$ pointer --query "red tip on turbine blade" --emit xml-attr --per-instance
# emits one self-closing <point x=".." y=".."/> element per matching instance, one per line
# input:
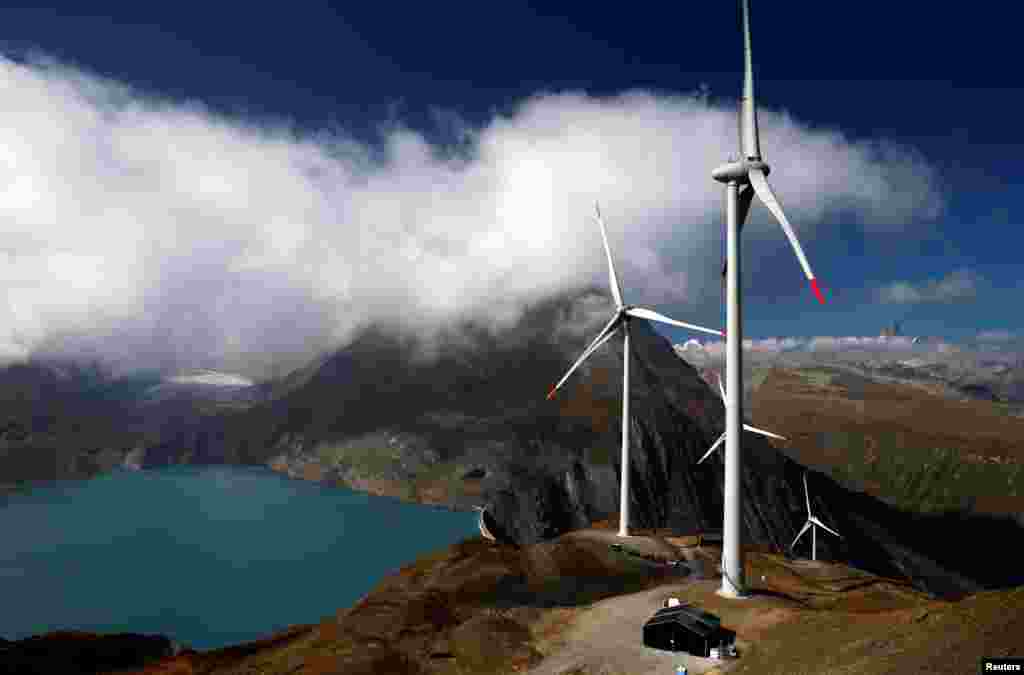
<point x="817" y="291"/>
<point x="551" y="394"/>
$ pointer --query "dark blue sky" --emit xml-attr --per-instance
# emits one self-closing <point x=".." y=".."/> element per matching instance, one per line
<point x="944" y="79"/>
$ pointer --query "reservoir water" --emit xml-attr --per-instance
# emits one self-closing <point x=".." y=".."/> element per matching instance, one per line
<point x="208" y="556"/>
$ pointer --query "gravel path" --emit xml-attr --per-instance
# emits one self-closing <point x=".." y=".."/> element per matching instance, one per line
<point x="608" y="639"/>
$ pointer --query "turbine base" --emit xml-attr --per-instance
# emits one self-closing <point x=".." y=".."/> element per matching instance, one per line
<point x="731" y="593"/>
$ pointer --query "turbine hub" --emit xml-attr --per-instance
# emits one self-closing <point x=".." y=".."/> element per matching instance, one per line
<point x="758" y="163"/>
<point x="736" y="171"/>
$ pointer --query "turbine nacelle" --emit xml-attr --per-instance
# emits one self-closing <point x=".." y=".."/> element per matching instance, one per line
<point x="739" y="171"/>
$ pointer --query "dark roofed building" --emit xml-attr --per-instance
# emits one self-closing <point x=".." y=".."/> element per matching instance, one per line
<point x="685" y="628"/>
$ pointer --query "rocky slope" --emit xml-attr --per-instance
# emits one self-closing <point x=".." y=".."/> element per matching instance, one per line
<point x="574" y="605"/>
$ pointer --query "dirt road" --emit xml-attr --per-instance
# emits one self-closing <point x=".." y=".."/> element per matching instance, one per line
<point x="608" y="639"/>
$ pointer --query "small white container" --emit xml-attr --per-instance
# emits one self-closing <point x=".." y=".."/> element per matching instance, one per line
<point x="715" y="653"/>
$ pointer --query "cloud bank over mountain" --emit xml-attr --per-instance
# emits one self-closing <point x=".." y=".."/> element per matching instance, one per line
<point x="150" y="233"/>
<point x="997" y="345"/>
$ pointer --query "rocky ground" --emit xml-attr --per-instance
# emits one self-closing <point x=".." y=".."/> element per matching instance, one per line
<point x="80" y="653"/>
<point x="573" y="606"/>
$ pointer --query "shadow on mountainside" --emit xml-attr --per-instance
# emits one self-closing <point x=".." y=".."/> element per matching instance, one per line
<point x="949" y="554"/>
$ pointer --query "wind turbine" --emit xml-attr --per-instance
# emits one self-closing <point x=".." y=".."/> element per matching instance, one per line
<point x="812" y="524"/>
<point x="743" y="179"/>
<point x="746" y="426"/>
<point x="623" y="314"/>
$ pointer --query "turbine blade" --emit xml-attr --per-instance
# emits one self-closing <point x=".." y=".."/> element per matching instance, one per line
<point x="748" y="111"/>
<point x="712" y="448"/>
<point x="601" y="338"/>
<point x="804" y="529"/>
<point x="764" y="191"/>
<point x="825" y="527"/>
<point x="612" y="277"/>
<point x="807" y="495"/>
<point x="763" y="432"/>
<point x="643" y="313"/>
<point x="721" y="388"/>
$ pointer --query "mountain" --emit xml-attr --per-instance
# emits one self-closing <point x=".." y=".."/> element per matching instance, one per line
<point x="469" y="424"/>
<point x="473" y="427"/>
<point x="61" y="419"/>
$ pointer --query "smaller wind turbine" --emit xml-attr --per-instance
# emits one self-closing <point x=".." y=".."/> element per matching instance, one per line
<point x="812" y="524"/>
<point x="623" y="314"/>
<point x="725" y="399"/>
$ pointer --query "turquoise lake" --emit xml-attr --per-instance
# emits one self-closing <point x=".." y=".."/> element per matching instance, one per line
<point x="208" y="556"/>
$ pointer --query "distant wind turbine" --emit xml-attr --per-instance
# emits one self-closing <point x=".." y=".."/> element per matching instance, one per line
<point x="621" y="318"/>
<point x="721" y="438"/>
<point x="743" y="179"/>
<point x="812" y="524"/>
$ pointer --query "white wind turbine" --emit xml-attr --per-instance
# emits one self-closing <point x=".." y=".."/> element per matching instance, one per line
<point x="746" y="426"/>
<point x="812" y="524"/>
<point x="621" y="318"/>
<point x="743" y="179"/>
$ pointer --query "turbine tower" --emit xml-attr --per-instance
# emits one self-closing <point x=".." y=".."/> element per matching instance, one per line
<point x="743" y="179"/>
<point x="621" y="319"/>
<point x="812" y="524"/>
<point x="746" y="426"/>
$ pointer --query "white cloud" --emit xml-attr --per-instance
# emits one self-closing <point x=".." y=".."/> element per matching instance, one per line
<point x="829" y="344"/>
<point x="211" y="378"/>
<point x="956" y="286"/>
<point x="869" y="343"/>
<point x="158" y="234"/>
<point x="827" y="350"/>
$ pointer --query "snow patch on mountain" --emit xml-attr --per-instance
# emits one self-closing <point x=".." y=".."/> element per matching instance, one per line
<point x="211" y="378"/>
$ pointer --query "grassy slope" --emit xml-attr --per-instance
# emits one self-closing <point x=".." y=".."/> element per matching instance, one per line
<point x="901" y="443"/>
